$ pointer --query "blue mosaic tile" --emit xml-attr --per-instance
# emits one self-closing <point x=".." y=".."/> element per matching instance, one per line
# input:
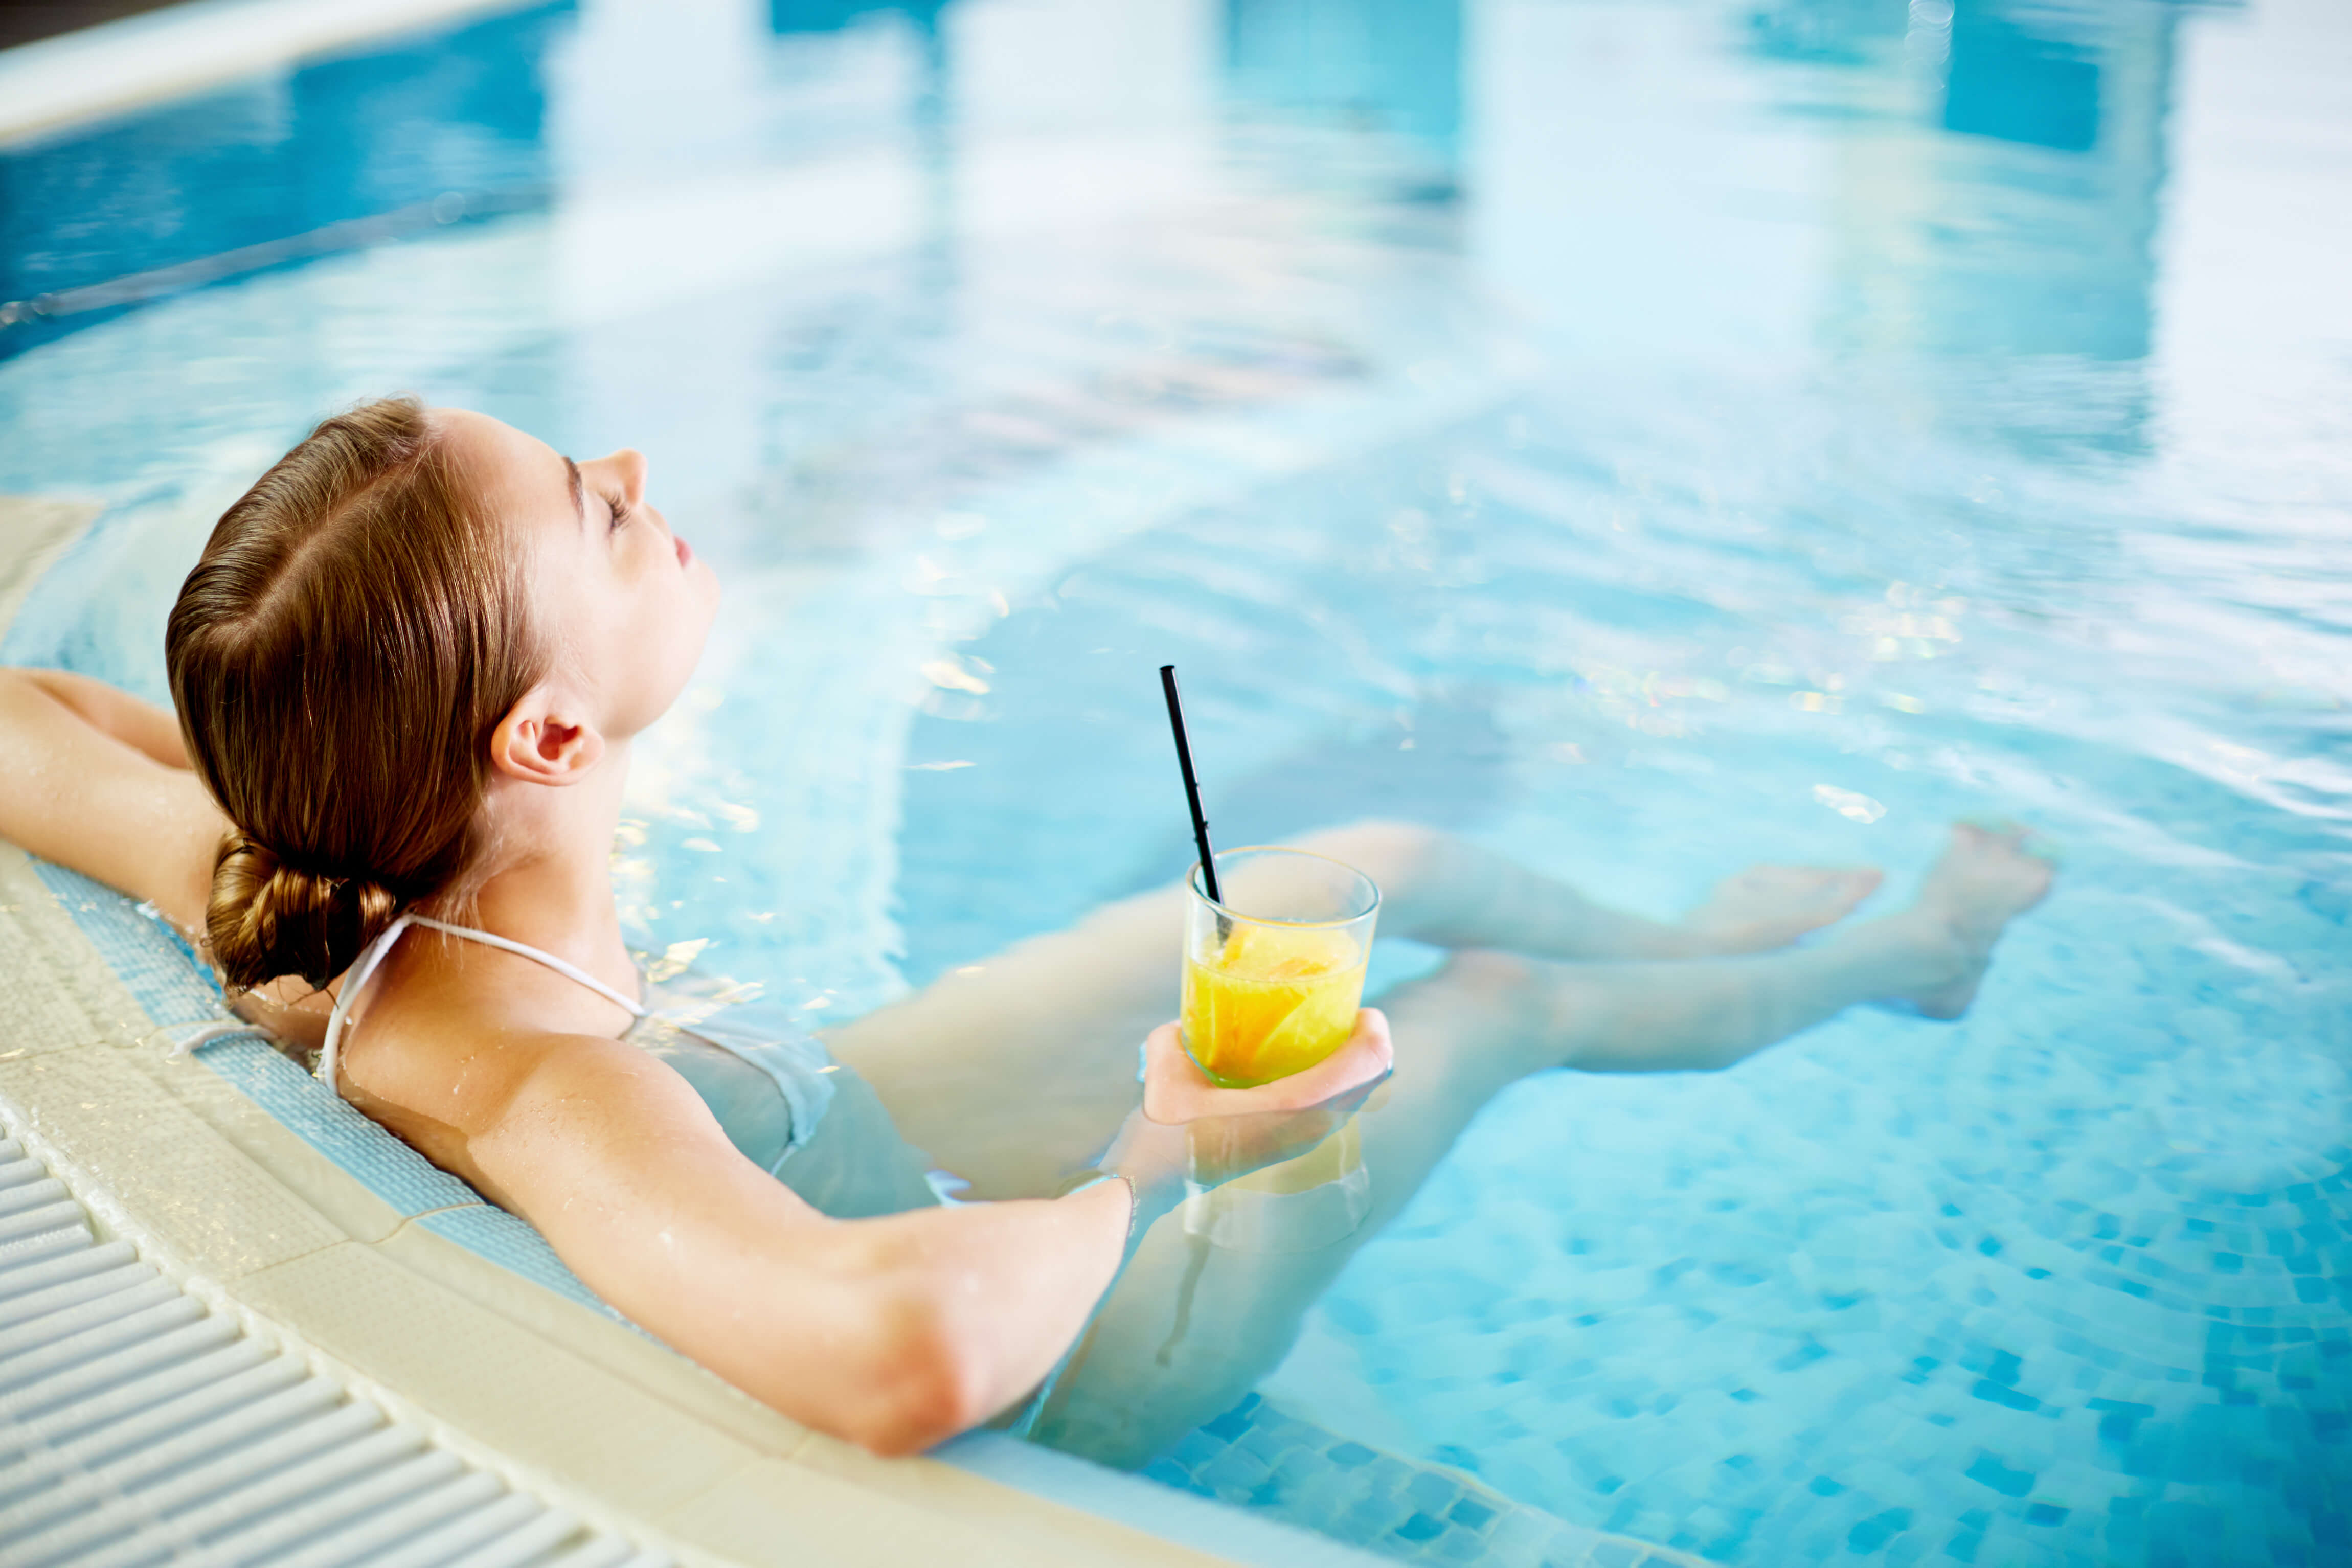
<point x="1430" y="1490"/>
<point x="1386" y="1503"/>
<point x="378" y="1161"/>
<point x="493" y="1233"/>
<point x="1471" y="1514"/>
<point x="2134" y="1326"/>
<point x="1420" y="1527"/>
<point x="159" y="970"/>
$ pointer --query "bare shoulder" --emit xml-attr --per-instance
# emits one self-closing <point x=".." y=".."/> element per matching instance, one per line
<point x="530" y="1117"/>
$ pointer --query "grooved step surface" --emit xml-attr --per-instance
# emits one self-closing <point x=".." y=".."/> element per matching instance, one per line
<point x="137" y="1426"/>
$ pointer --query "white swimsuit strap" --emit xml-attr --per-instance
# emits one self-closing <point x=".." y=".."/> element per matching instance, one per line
<point x="568" y="970"/>
<point x="373" y="955"/>
<point x="355" y="980"/>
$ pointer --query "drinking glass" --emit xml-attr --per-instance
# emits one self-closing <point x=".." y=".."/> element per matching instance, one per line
<point x="1274" y="969"/>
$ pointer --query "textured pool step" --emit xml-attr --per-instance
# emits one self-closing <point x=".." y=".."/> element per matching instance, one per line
<point x="1259" y="1455"/>
<point x="138" y="1425"/>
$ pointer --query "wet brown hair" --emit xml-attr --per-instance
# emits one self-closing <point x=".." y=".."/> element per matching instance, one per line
<point x="340" y="656"/>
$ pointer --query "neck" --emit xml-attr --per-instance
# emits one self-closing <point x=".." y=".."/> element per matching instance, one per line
<point x="555" y="888"/>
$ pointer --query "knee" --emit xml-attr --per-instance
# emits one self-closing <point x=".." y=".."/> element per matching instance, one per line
<point x="1482" y="1019"/>
<point x="1393" y="854"/>
<point x="1491" y="975"/>
<point x="1503" y="988"/>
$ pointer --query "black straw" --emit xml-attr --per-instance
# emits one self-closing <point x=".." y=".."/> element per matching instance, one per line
<point x="1192" y="785"/>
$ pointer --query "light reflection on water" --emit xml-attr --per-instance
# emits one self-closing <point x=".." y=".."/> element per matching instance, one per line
<point x="1646" y="437"/>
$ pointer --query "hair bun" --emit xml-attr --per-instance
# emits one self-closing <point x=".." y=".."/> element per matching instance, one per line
<point x="269" y="917"/>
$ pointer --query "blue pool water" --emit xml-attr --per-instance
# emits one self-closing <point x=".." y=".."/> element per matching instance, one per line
<point x="1646" y="437"/>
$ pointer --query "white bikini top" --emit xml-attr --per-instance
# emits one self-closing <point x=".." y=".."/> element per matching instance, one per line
<point x="375" y="952"/>
<point x="774" y="1115"/>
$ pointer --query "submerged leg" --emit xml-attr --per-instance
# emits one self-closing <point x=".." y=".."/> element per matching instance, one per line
<point x="1047" y="1031"/>
<point x="1190" y="1327"/>
<point x="1453" y="893"/>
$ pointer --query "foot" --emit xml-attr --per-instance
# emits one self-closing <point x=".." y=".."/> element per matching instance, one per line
<point x="1768" y="907"/>
<point x="1991" y="874"/>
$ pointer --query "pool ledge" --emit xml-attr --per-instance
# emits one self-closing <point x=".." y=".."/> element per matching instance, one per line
<point x="115" y="66"/>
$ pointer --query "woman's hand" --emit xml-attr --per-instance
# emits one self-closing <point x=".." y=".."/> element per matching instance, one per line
<point x="1188" y="1128"/>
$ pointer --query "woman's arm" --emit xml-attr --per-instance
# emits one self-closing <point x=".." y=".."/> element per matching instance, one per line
<point x="95" y="779"/>
<point x="147" y="729"/>
<point x="896" y="1332"/>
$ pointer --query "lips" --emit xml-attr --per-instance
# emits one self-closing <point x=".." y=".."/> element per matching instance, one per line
<point x="685" y="550"/>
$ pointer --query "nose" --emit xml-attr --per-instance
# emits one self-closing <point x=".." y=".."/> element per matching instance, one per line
<point x="630" y="464"/>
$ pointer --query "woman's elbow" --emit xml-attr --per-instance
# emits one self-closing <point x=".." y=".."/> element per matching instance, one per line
<point x="926" y="1383"/>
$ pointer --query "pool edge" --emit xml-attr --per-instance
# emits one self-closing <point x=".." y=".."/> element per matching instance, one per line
<point x="52" y="85"/>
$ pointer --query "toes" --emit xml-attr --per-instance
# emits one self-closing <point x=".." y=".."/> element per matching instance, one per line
<point x="2039" y="846"/>
<point x="1987" y="833"/>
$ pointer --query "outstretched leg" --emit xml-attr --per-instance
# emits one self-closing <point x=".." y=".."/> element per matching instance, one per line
<point x="1047" y="1029"/>
<point x="1459" y="894"/>
<point x="1190" y="1327"/>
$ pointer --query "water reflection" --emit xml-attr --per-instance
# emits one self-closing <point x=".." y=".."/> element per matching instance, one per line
<point x="1835" y="32"/>
<point x="1994" y="178"/>
<point x="2021" y="78"/>
<point x="1995" y="245"/>
<point x="438" y="129"/>
<point x="1390" y="67"/>
<point x="786" y="17"/>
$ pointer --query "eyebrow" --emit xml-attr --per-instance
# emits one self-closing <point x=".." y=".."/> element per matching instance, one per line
<point x="579" y="501"/>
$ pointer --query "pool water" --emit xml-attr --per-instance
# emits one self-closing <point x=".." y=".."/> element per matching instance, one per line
<point x="1648" y="438"/>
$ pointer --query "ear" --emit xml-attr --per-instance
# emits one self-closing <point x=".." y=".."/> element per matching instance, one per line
<point x="546" y="738"/>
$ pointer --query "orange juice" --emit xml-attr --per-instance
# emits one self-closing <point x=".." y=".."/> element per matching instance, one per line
<point x="1270" y="1000"/>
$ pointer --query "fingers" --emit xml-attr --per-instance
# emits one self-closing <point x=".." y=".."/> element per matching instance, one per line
<point x="1174" y="1087"/>
<point x="1162" y="1049"/>
<point x="1369" y="1054"/>
<point x="1219" y="1148"/>
<point x="1176" y="1090"/>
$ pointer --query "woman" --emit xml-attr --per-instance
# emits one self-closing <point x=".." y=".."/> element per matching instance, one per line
<point x="408" y="670"/>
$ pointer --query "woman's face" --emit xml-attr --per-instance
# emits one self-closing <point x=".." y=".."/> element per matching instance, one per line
<point x="623" y="601"/>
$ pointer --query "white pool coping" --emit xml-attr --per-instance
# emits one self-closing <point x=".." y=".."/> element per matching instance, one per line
<point x="115" y="66"/>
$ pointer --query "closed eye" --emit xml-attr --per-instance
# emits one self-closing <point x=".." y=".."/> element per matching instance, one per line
<point x="621" y="511"/>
